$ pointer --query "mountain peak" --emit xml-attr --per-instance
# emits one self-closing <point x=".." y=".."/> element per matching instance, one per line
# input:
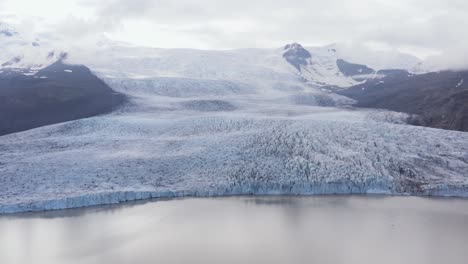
<point x="295" y="48"/>
<point x="296" y="55"/>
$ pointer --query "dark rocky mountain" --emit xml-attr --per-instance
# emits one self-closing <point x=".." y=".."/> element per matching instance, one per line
<point x="361" y="72"/>
<point x="440" y="99"/>
<point x="57" y="93"/>
<point x="296" y="55"/>
<point x="352" y="69"/>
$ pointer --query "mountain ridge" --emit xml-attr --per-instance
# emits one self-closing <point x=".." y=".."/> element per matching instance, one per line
<point x="438" y="99"/>
<point x="55" y="94"/>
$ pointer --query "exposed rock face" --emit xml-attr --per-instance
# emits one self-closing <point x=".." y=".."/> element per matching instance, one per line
<point x="296" y="55"/>
<point x="57" y="93"/>
<point x="11" y="62"/>
<point x="351" y="69"/>
<point x="439" y="99"/>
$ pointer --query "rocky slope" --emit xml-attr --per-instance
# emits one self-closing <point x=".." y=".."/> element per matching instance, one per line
<point x="54" y="94"/>
<point x="439" y="99"/>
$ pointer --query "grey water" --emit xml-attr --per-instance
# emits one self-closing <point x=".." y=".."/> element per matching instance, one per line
<point x="274" y="229"/>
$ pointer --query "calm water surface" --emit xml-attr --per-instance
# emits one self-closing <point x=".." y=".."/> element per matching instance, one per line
<point x="326" y="229"/>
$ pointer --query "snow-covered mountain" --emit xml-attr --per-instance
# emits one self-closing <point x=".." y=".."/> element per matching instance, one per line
<point x="25" y="53"/>
<point x="315" y="66"/>
<point x="319" y="68"/>
<point x="377" y="60"/>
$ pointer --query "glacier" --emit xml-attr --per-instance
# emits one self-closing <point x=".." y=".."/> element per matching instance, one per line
<point x="162" y="144"/>
<point x="212" y="123"/>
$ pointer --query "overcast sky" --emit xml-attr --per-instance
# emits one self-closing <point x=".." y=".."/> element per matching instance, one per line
<point x="420" y="27"/>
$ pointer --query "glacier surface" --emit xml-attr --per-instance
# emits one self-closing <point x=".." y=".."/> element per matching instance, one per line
<point x="200" y="137"/>
<point x="209" y="123"/>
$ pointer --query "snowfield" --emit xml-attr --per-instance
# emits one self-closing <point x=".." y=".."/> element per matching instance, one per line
<point x="189" y="137"/>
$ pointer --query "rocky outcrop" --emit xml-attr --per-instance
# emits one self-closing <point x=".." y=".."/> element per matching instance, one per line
<point x="55" y="94"/>
<point x="437" y="99"/>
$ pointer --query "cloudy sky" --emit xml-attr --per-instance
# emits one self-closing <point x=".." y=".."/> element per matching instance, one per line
<point x="425" y="28"/>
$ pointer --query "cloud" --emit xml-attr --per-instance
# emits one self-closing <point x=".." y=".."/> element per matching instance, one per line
<point x="422" y="27"/>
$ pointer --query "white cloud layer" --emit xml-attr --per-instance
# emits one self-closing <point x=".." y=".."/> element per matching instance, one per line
<point x="432" y="29"/>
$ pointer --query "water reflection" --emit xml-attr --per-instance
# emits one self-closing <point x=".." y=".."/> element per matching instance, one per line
<point x="274" y="229"/>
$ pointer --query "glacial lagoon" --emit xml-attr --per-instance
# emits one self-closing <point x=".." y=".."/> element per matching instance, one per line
<point x="261" y="229"/>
